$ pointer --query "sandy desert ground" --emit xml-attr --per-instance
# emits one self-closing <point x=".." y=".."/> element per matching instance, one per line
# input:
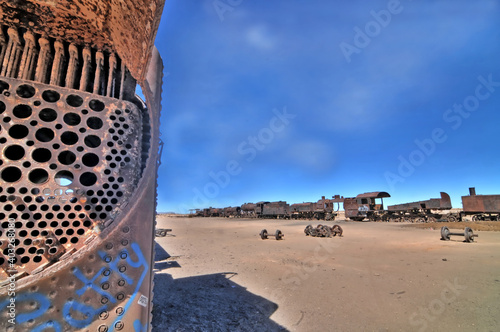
<point x="216" y="274"/>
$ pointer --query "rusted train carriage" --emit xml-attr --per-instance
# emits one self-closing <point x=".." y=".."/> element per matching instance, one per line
<point x="323" y="209"/>
<point x="302" y="210"/>
<point x="275" y="210"/>
<point x="422" y="211"/>
<point x="78" y="163"/>
<point x="481" y="207"/>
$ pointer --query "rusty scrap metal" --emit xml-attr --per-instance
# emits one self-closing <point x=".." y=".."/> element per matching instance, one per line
<point x="278" y="235"/>
<point x="323" y="231"/>
<point x="468" y="234"/>
<point x="443" y="203"/>
<point x="481" y="207"/>
<point x="162" y="232"/>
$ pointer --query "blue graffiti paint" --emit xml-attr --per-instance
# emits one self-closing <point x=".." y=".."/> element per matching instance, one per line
<point x="43" y="305"/>
<point x="89" y="283"/>
<point x="87" y="311"/>
<point x="139" y="328"/>
<point x="48" y="325"/>
<point x="114" y="267"/>
<point x="74" y="308"/>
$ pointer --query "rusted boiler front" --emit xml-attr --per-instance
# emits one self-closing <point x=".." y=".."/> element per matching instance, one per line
<point x="78" y="163"/>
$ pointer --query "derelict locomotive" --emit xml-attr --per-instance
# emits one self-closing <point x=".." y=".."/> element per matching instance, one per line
<point x="368" y="206"/>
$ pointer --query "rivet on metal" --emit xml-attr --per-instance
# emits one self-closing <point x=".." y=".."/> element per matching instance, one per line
<point x="119" y="311"/>
<point x="119" y="325"/>
<point x="102" y="328"/>
<point x="103" y="315"/>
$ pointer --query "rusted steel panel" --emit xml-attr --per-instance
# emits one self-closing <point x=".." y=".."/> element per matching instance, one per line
<point x="123" y="26"/>
<point x="351" y="207"/>
<point x="481" y="203"/>
<point x="443" y="203"/>
<point x="276" y="208"/>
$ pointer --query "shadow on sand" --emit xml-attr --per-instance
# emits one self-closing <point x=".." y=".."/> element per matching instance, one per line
<point x="206" y="303"/>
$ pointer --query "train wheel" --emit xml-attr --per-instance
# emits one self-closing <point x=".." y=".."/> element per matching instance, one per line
<point x="263" y="234"/>
<point x="327" y="232"/>
<point x="336" y="229"/>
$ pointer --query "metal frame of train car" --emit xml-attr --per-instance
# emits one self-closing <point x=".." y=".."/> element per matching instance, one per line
<point x="420" y="211"/>
<point x="480" y="207"/>
<point x="365" y="206"/>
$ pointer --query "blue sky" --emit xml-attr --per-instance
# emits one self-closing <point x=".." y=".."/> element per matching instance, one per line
<point x="292" y="100"/>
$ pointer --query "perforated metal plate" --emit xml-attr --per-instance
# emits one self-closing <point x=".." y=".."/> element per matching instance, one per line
<point x="70" y="161"/>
